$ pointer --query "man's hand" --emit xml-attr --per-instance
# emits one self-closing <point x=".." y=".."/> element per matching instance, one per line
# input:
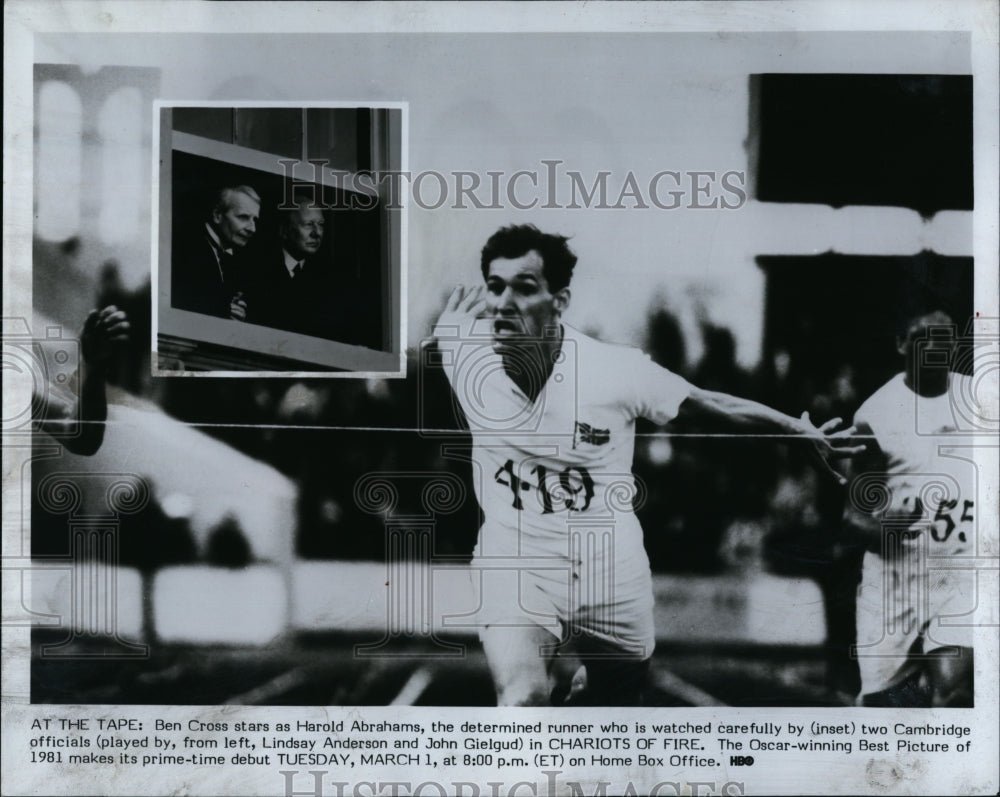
<point x="80" y="427"/>
<point x="238" y="307"/>
<point x="829" y="445"/>
<point x="102" y="332"/>
<point x="460" y="313"/>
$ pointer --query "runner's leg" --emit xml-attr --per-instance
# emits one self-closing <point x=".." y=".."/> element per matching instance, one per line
<point x="950" y="675"/>
<point x="613" y="677"/>
<point x="520" y="659"/>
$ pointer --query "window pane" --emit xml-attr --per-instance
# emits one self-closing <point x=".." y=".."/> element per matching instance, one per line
<point x="120" y="127"/>
<point x="214" y="123"/>
<point x="333" y="137"/>
<point x="277" y="130"/>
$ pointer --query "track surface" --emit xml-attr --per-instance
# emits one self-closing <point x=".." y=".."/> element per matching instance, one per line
<point x="326" y="671"/>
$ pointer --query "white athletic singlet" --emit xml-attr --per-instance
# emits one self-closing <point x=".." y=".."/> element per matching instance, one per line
<point x="919" y="587"/>
<point x="560" y="545"/>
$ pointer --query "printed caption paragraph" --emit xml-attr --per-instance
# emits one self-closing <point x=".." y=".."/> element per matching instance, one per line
<point x="346" y="744"/>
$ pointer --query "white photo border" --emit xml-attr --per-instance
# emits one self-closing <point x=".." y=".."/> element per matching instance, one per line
<point x="25" y="21"/>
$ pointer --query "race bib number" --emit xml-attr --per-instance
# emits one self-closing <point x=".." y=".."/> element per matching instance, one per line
<point x="571" y="489"/>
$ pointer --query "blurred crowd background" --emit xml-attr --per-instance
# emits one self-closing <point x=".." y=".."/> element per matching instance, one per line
<point x="712" y="504"/>
<point x="710" y="501"/>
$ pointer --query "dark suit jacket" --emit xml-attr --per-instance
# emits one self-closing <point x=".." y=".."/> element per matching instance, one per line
<point x="319" y="301"/>
<point x="196" y="282"/>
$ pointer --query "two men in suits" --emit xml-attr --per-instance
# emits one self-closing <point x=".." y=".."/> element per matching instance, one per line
<point x="205" y="275"/>
<point x="291" y="283"/>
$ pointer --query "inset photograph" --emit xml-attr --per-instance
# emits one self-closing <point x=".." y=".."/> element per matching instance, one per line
<point x="279" y="248"/>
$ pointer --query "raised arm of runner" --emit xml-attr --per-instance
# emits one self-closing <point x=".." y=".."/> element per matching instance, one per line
<point x="752" y="416"/>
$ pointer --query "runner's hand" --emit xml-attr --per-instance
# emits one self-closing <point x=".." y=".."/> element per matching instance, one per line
<point x="102" y="332"/>
<point x="829" y="445"/>
<point x="463" y="308"/>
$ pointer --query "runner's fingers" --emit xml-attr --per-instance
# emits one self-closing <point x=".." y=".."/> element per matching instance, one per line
<point x="478" y="309"/>
<point x="455" y="298"/>
<point x="472" y="296"/>
<point x="830" y="425"/>
<point x="850" y="431"/>
<point x="826" y="466"/>
<point x="118" y="328"/>
<point x="841" y="452"/>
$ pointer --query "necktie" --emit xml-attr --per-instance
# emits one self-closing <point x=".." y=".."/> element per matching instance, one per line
<point x="226" y="266"/>
<point x="296" y="269"/>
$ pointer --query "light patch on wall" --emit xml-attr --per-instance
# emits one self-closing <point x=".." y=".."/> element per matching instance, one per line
<point x="119" y="125"/>
<point x="60" y="128"/>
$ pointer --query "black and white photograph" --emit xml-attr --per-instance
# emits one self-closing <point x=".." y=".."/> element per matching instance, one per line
<point x="267" y="221"/>
<point x="460" y="399"/>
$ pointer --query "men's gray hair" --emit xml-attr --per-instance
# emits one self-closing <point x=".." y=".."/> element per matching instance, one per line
<point x="223" y="199"/>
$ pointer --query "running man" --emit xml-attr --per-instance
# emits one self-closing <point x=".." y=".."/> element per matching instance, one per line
<point x="913" y="503"/>
<point x="560" y="559"/>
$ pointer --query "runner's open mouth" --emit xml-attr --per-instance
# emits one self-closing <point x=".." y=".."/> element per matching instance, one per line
<point x="505" y="326"/>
